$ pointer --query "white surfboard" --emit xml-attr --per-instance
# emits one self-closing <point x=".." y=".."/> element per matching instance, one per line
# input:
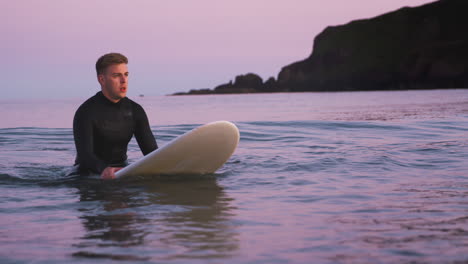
<point x="202" y="150"/>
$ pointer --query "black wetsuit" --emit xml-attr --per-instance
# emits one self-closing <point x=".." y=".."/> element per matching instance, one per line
<point x="103" y="129"/>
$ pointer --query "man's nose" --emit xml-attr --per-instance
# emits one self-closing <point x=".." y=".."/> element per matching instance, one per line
<point x="123" y="79"/>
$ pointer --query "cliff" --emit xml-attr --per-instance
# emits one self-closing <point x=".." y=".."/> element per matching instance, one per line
<point x="423" y="47"/>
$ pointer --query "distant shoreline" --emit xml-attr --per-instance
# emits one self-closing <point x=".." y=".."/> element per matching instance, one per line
<point x="190" y="93"/>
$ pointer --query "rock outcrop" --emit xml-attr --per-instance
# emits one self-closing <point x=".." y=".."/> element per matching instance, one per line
<point x="423" y="47"/>
<point x="248" y="83"/>
<point x="412" y="48"/>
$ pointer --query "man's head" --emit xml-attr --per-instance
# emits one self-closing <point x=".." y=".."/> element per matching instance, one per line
<point x="112" y="74"/>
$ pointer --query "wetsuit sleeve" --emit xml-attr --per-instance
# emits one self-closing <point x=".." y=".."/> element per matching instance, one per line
<point x="143" y="133"/>
<point x="83" y="133"/>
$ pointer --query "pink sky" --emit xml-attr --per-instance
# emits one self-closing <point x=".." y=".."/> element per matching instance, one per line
<point x="51" y="46"/>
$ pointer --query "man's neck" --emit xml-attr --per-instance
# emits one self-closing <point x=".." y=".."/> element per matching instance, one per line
<point x="108" y="97"/>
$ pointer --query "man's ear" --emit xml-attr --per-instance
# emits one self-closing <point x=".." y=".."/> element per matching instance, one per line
<point x="100" y="79"/>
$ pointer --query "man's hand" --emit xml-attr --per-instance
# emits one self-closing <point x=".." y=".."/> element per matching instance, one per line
<point x="109" y="173"/>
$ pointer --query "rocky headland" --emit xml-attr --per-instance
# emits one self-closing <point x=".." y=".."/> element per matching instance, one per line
<point x="424" y="47"/>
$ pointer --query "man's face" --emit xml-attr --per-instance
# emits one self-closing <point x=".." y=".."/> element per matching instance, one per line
<point x="114" y="82"/>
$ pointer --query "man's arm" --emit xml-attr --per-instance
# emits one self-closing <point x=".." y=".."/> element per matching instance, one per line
<point x="143" y="133"/>
<point x="83" y="134"/>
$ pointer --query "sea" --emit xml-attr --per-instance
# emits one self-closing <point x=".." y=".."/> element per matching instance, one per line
<point x="342" y="177"/>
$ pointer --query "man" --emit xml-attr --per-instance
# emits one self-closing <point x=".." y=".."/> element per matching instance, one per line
<point x="104" y="124"/>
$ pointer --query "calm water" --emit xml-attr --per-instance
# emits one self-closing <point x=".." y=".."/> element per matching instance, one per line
<point x="367" y="177"/>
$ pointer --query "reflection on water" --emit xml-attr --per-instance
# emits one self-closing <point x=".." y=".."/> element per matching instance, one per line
<point x="184" y="218"/>
<point x="429" y="221"/>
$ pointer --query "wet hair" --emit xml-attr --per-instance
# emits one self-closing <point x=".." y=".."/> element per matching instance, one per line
<point x="109" y="59"/>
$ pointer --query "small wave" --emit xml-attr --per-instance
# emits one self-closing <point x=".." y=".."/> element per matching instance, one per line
<point x="167" y="133"/>
<point x="9" y="179"/>
<point x="116" y="257"/>
<point x="321" y="124"/>
<point x="51" y="175"/>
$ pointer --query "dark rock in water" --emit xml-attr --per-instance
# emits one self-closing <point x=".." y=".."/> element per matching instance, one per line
<point x="412" y="48"/>
<point x="195" y="92"/>
<point x="423" y="47"/>
<point x="270" y="86"/>
<point x="249" y="83"/>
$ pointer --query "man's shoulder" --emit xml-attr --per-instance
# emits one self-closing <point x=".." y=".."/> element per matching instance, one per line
<point x="135" y="106"/>
<point x="88" y="104"/>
